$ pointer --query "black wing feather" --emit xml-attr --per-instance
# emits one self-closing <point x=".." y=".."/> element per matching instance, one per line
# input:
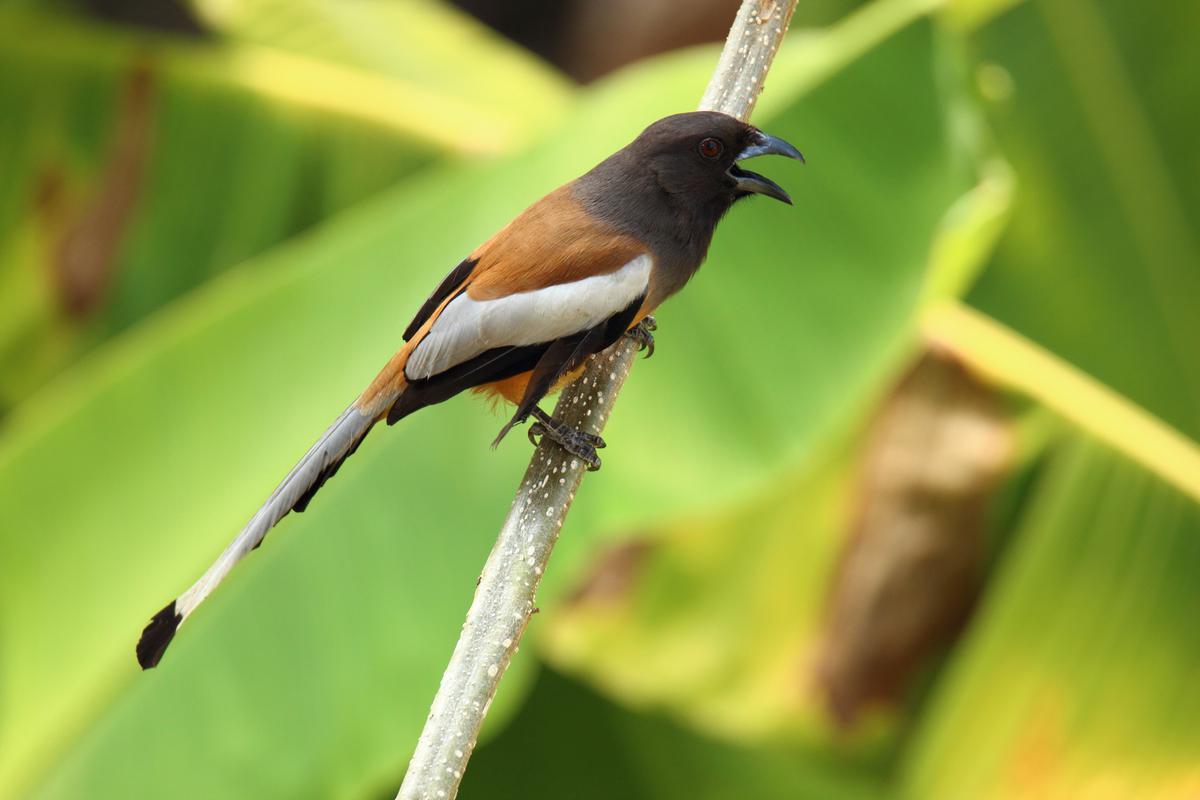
<point x="448" y="285"/>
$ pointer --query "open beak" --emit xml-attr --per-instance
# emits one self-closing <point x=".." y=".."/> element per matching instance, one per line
<point x="762" y="144"/>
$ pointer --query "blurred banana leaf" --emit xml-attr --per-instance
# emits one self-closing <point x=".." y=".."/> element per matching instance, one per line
<point x="719" y="619"/>
<point x="354" y="606"/>
<point x="1079" y="678"/>
<point x="615" y="752"/>
<point x="1092" y="102"/>
<point x="1076" y="677"/>
<point x="715" y="618"/>
<point x="502" y="94"/>
<point x="135" y="167"/>
<point x="726" y="620"/>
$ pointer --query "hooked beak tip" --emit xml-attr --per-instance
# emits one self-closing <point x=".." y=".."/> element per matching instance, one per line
<point x="763" y="144"/>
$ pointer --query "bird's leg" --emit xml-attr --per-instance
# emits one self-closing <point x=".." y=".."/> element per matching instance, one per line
<point x="577" y="443"/>
<point x="641" y="333"/>
<point x="549" y="422"/>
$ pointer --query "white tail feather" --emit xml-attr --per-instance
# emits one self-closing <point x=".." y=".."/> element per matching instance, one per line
<point x="333" y="445"/>
<point x="317" y="464"/>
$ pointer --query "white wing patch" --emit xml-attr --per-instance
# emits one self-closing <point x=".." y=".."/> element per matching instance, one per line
<point x="469" y="327"/>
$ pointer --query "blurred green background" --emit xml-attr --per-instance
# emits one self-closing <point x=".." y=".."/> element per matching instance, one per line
<point x="906" y="504"/>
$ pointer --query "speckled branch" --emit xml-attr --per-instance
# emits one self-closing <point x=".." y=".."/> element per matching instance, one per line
<point x="749" y="50"/>
<point x="504" y="598"/>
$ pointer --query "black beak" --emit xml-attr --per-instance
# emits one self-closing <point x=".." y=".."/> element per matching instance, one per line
<point x="762" y="144"/>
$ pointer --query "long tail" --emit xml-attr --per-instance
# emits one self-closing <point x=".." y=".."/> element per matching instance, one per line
<point x="318" y="465"/>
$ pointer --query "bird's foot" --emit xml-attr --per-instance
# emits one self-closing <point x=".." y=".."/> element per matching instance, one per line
<point x="642" y="334"/>
<point x="577" y="443"/>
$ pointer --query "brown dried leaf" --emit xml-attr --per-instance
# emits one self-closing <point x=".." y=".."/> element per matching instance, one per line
<point x="87" y="251"/>
<point x="910" y="570"/>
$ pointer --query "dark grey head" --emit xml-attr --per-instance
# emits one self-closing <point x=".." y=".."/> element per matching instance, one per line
<point x="671" y="185"/>
<point x="695" y="156"/>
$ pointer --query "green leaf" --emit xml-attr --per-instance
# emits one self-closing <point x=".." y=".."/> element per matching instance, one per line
<point x="714" y="615"/>
<point x="1016" y="363"/>
<point x="715" y="618"/>
<point x="138" y="166"/>
<point x="1092" y="104"/>
<point x="570" y="742"/>
<point x="426" y="44"/>
<point x="152" y="495"/>
<point x="718" y="618"/>
<point x="1078" y="677"/>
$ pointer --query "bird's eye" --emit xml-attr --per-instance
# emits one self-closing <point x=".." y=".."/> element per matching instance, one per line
<point x="711" y="148"/>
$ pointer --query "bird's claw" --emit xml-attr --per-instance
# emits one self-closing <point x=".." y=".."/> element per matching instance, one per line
<point x="641" y="333"/>
<point x="578" y="443"/>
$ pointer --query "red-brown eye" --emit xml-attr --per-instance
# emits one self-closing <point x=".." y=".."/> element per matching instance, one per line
<point x="711" y="148"/>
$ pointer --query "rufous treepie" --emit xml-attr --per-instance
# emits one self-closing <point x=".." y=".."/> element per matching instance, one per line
<point x="518" y="317"/>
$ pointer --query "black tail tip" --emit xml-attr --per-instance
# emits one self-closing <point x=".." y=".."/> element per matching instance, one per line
<point x="157" y="635"/>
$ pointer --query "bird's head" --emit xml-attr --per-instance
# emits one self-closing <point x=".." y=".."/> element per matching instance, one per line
<point x="697" y="154"/>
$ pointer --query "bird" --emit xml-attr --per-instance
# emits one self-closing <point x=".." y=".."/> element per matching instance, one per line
<point x="518" y="317"/>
